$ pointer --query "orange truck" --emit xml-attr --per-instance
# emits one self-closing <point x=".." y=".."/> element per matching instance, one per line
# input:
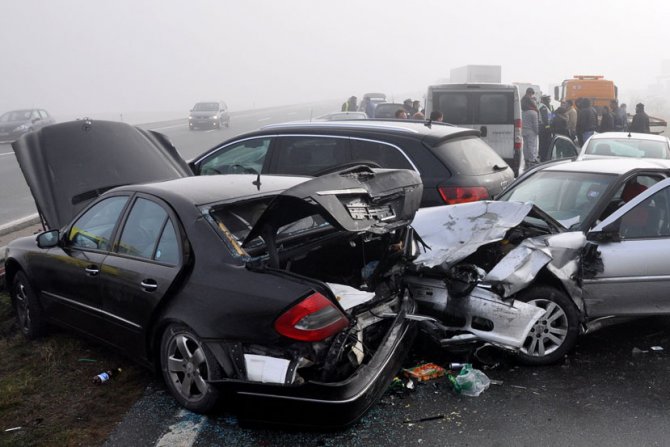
<point x="596" y="88"/>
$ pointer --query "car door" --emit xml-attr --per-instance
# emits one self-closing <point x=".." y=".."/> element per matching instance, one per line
<point x="562" y="147"/>
<point x="633" y="243"/>
<point x="243" y="156"/>
<point x="146" y="259"/>
<point x="69" y="277"/>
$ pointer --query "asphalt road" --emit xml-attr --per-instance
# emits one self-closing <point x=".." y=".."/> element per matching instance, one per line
<point x="16" y="201"/>
<point x="613" y="390"/>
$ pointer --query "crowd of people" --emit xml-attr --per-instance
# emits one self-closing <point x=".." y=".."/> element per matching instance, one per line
<point x="576" y="120"/>
<point x="411" y="109"/>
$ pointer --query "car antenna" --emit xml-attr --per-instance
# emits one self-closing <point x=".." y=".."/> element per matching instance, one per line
<point x="257" y="182"/>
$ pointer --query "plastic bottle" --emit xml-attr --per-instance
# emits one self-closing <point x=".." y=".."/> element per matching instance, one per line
<point x="105" y="376"/>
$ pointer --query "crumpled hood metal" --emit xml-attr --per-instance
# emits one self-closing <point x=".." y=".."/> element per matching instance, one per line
<point x="68" y="165"/>
<point x="454" y="232"/>
<point x="359" y="199"/>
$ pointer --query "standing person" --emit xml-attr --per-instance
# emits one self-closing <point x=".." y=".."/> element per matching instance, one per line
<point x="616" y="116"/>
<point x="587" y="120"/>
<point x="559" y="124"/>
<point x="606" y="121"/>
<point x="436" y="115"/>
<point x="529" y="131"/>
<point x="640" y="120"/>
<point x="350" y="105"/>
<point x="571" y="113"/>
<point x="545" y="126"/>
<point x="624" y="117"/>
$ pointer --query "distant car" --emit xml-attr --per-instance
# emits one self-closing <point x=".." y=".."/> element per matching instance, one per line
<point x="626" y="144"/>
<point x="369" y="101"/>
<point x="386" y="110"/>
<point x="339" y="116"/>
<point x="456" y="165"/>
<point x="209" y="115"/>
<point x="621" y="205"/>
<point x="18" y="122"/>
<point x="223" y="283"/>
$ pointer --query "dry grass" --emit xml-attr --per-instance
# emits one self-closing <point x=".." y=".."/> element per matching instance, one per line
<point x="46" y="388"/>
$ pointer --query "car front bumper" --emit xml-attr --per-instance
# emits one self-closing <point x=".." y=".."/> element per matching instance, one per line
<point x="329" y="405"/>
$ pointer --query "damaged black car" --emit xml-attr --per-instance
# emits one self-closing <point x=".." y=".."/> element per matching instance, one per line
<point x="286" y="291"/>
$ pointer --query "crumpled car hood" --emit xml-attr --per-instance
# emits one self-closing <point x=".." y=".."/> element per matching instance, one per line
<point x="68" y="165"/>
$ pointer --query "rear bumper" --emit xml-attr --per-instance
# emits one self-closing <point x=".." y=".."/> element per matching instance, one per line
<point x="329" y="405"/>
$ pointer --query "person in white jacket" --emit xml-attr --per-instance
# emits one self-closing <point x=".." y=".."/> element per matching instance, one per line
<point x="529" y="131"/>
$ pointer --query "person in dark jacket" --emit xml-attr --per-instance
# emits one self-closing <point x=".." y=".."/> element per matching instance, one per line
<point x="587" y="120"/>
<point x="640" y="120"/>
<point x="559" y="124"/>
<point x="616" y="116"/>
<point x="545" y="126"/>
<point x="606" y="121"/>
<point x="350" y="105"/>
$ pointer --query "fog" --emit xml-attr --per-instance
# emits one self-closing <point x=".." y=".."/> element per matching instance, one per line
<point x="76" y="57"/>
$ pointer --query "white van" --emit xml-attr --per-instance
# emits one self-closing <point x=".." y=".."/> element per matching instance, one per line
<point x="493" y="109"/>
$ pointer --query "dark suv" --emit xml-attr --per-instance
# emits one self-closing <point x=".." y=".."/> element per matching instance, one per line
<point x="455" y="165"/>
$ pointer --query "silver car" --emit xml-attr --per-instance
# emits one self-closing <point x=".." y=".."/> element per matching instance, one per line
<point x="622" y="206"/>
<point x="626" y="144"/>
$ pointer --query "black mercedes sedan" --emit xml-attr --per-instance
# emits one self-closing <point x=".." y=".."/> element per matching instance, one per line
<point x="284" y="291"/>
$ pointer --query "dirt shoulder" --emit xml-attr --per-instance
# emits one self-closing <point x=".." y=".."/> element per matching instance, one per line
<point x="47" y="397"/>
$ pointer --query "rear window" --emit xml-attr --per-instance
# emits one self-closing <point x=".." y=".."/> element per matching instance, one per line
<point x="454" y="107"/>
<point x="476" y="107"/>
<point x="468" y="156"/>
<point x="496" y="108"/>
<point x="627" y="147"/>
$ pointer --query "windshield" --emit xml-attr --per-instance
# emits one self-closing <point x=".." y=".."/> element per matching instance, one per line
<point x="628" y="147"/>
<point x="206" y="107"/>
<point x="568" y="197"/>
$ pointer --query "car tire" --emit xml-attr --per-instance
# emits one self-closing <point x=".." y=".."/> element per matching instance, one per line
<point x="28" y="311"/>
<point x="555" y="332"/>
<point x="187" y="364"/>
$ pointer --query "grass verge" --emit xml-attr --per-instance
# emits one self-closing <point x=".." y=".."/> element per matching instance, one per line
<point x="46" y="387"/>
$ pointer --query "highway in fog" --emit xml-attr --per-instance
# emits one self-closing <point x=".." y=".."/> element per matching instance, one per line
<point x="16" y="201"/>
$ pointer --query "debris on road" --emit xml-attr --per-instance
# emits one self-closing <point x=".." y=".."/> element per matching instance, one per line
<point x="426" y="419"/>
<point x="470" y="381"/>
<point x="424" y="372"/>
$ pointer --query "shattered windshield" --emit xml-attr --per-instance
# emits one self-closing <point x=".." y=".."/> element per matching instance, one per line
<point x="568" y="197"/>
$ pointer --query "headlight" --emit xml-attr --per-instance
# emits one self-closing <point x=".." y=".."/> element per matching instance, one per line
<point x="214" y="117"/>
<point x="190" y="117"/>
<point x="22" y="128"/>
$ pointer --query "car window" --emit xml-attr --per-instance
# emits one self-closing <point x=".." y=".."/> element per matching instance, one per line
<point x="206" y="107"/>
<point x="384" y="155"/>
<point x="309" y="155"/>
<point x="568" y="197"/>
<point x="94" y="228"/>
<point x="496" y="108"/>
<point x="627" y="147"/>
<point x="142" y="229"/>
<point x="648" y="219"/>
<point x="168" y="247"/>
<point x="469" y="156"/>
<point x="246" y="156"/>
<point x="454" y="107"/>
<point x="44" y="114"/>
<point x="562" y="148"/>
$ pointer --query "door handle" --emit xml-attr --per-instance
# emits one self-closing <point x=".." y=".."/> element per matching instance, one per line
<point x="149" y="285"/>
<point x="92" y="270"/>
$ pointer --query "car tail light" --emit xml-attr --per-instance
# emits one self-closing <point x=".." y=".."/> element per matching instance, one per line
<point x="462" y="194"/>
<point x="313" y="319"/>
<point x="518" y="140"/>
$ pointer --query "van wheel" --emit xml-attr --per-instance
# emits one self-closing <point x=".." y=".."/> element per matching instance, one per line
<point x="555" y="331"/>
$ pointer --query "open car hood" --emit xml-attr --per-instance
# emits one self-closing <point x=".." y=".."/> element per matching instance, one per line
<point x="68" y="165"/>
<point x="359" y="199"/>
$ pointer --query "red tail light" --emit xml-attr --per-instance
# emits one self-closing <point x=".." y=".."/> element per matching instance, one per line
<point x="462" y="194"/>
<point x="518" y="139"/>
<point x="313" y="319"/>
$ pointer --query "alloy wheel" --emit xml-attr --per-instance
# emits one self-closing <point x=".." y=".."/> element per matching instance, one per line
<point x="187" y="366"/>
<point x="549" y="332"/>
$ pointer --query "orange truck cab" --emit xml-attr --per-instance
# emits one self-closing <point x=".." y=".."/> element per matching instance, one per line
<point x="599" y="90"/>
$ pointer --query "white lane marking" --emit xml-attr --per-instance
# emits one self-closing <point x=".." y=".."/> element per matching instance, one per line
<point x="168" y="127"/>
<point x="183" y="433"/>
<point x="265" y="119"/>
<point x="292" y="113"/>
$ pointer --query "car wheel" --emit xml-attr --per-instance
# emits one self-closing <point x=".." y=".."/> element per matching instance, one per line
<point x="187" y="365"/>
<point x="555" y="332"/>
<point x="28" y="311"/>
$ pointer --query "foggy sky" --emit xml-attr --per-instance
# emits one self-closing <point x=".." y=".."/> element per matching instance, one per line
<point x="78" y="57"/>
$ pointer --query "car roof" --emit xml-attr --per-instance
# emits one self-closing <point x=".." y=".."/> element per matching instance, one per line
<point x="631" y="135"/>
<point x="433" y="131"/>
<point x="201" y="190"/>
<point x="616" y="166"/>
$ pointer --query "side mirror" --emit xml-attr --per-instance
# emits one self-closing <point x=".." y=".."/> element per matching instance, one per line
<point x="484" y="131"/>
<point x="610" y="233"/>
<point x="48" y="239"/>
